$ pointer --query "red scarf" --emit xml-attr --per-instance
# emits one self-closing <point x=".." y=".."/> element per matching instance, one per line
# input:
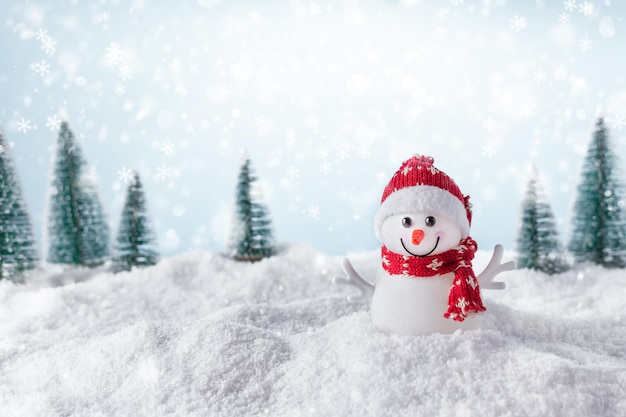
<point x="465" y="293"/>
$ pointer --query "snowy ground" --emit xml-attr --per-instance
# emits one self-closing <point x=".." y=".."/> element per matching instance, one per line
<point x="200" y="335"/>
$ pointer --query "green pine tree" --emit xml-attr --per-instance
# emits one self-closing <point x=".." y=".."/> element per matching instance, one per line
<point x="78" y="233"/>
<point x="251" y="238"/>
<point x="136" y="242"/>
<point x="538" y="242"/>
<point x="598" y="223"/>
<point x="17" y="244"/>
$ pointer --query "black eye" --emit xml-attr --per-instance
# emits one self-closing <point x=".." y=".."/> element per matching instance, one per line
<point x="430" y="221"/>
<point x="407" y="222"/>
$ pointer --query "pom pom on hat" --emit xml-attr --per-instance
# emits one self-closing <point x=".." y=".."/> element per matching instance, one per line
<point x="419" y="186"/>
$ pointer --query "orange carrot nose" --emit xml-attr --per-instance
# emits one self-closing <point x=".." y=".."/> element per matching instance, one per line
<point x="418" y="236"/>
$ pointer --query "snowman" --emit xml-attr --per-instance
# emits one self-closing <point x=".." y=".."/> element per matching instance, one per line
<point x="426" y="283"/>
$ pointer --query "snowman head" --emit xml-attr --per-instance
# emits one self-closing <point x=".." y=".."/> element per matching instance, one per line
<point x="419" y="233"/>
<point x="421" y="192"/>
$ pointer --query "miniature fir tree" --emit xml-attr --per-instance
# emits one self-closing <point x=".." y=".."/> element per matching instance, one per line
<point x="538" y="242"/>
<point x="598" y="223"/>
<point x="78" y="233"/>
<point x="136" y="242"/>
<point x="251" y="238"/>
<point x="17" y="244"/>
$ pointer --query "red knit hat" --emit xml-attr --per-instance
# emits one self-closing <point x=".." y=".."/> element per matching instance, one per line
<point x="419" y="186"/>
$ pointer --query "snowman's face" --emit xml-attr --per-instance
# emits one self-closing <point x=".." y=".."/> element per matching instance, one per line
<point x="419" y="234"/>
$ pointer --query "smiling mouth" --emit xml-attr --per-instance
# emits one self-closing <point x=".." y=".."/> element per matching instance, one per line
<point x="420" y="256"/>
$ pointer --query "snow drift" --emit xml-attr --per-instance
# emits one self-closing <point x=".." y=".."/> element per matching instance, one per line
<point x="202" y="335"/>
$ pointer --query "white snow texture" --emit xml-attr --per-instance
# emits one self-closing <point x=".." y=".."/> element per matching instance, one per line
<point x="202" y="335"/>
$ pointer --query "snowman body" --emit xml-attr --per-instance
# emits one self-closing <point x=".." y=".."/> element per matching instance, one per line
<point x="412" y="305"/>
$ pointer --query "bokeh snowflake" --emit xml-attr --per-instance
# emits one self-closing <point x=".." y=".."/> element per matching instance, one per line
<point x="292" y="173"/>
<point x="570" y="5"/>
<point x="518" y="23"/>
<point x="24" y="125"/>
<point x="163" y="172"/>
<point x="48" y="45"/>
<point x="126" y="175"/>
<point x="586" y="8"/>
<point x="167" y="147"/>
<point x="313" y="211"/>
<point x="585" y="43"/>
<point x="41" y="68"/>
<point x="617" y="121"/>
<point x="119" y="89"/>
<point x="490" y="149"/>
<point x="113" y="55"/>
<point x="125" y="72"/>
<point x="53" y="123"/>
<point x="102" y="19"/>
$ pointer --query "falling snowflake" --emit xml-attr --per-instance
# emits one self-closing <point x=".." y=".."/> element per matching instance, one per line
<point x="41" y="68"/>
<point x="343" y="152"/>
<point x="125" y="72"/>
<point x="194" y="69"/>
<point x="363" y="151"/>
<point x="102" y="18"/>
<point x="292" y="173"/>
<point x="290" y="142"/>
<point x="224" y="92"/>
<point x="586" y="9"/>
<point x="322" y="153"/>
<point x="584" y="43"/>
<point x="53" y="123"/>
<point x="262" y="125"/>
<point x="490" y="150"/>
<point x="48" y="45"/>
<point x="113" y="55"/>
<point x="167" y="147"/>
<point x="23" y="125"/>
<point x="126" y="175"/>
<point x="163" y="172"/>
<point x="569" y="5"/>
<point x="618" y="122"/>
<point x="539" y="77"/>
<point x="41" y="34"/>
<point x="313" y="211"/>
<point x="325" y="168"/>
<point x="119" y="89"/>
<point x="518" y="23"/>
<point x="442" y="31"/>
<point x="443" y="13"/>
<point x="489" y="124"/>
<point x="563" y="18"/>
<point x="175" y="66"/>
<point x="255" y="16"/>
<point x="533" y="154"/>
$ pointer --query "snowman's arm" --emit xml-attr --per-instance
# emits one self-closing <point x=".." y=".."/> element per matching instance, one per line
<point x="354" y="279"/>
<point x="494" y="267"/>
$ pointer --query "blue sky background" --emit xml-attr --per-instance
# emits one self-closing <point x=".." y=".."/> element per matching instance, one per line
<point x="328" y="98"/>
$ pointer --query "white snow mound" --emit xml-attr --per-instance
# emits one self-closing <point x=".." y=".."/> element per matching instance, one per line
<point x="202" y="335"/>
